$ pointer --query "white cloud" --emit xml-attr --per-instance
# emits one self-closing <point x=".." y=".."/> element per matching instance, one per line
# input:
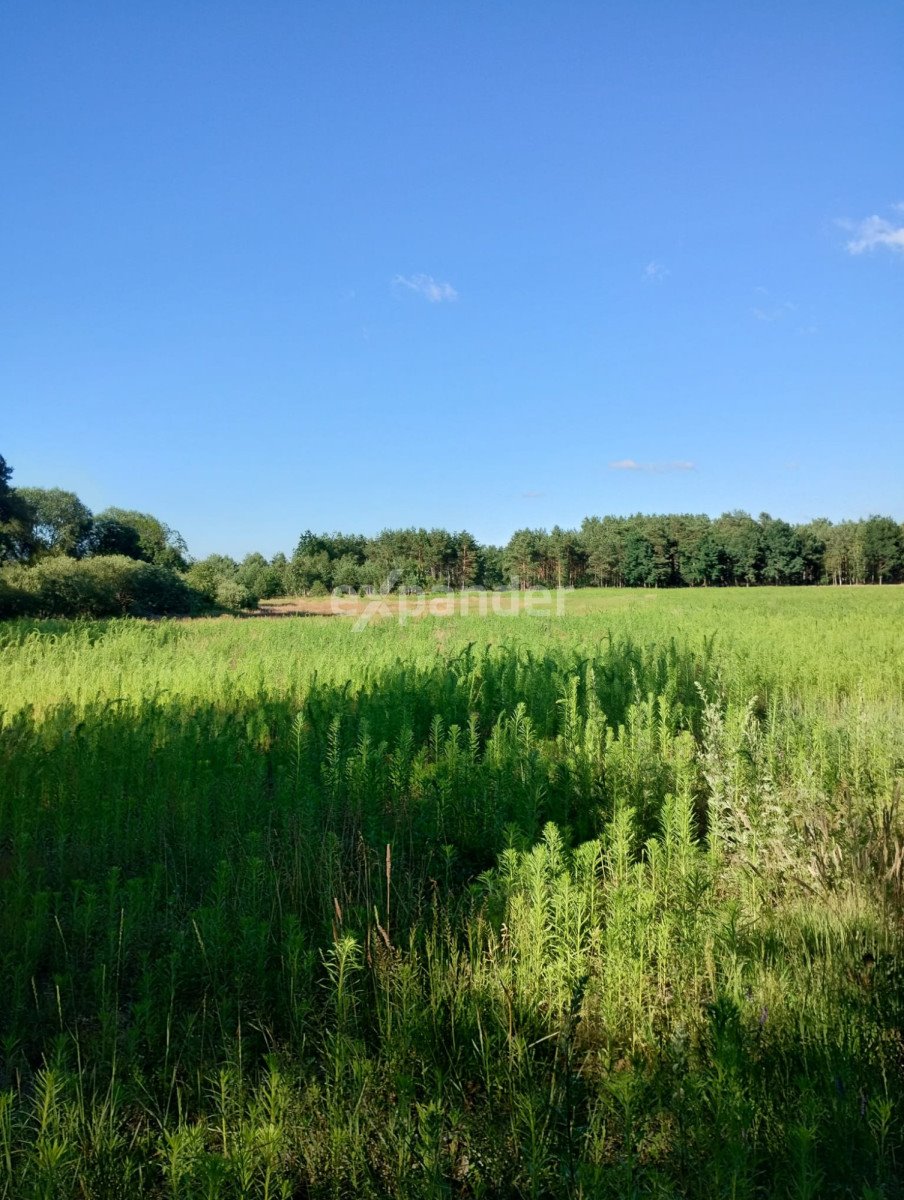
<point x="656" y="468"/>
<point x="875" y="233"/>
<point x="774" y="312"/>
<point x="532" y="495"/>
<point x="655" y="272"/>
<point x="428" y="287"/>
<point x="770" y="308"/>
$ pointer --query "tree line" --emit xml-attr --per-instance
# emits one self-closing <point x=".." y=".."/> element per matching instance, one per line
<point x="672" y="550"/>
<point x="60" y="558"/>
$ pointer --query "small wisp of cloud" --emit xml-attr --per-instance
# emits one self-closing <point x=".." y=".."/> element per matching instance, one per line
<point x="425" y="285"/>
<point x="769" y="310"/>
<point x="532" y="495"/>
<point x="876" y="233"/>
<point x="653" y="468"/>
<point x="774" y="312"/>
<point x="655" y="272"/>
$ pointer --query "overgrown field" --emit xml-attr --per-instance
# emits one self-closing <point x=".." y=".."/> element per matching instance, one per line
<point x="601" y="905"/>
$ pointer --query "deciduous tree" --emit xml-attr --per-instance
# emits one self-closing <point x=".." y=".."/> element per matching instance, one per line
<point x="60" y="522"/>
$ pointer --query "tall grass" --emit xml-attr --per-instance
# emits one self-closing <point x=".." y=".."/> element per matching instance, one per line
<point x="601" y="905"/>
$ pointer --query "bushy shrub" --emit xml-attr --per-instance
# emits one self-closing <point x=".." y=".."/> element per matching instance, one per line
<point x="318" y="588"/>
<point x="14" y="600"/>
<point x="65" y="587"/>
<point x="145" y="589"/>
<point x="101" y="587"/>
<point x="219" y="579"/>
<point x="232" y="593"/>
<point x="206" y="574"/>
<point x="260" y="578"/>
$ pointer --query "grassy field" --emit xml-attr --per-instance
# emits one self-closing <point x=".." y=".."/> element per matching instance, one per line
<point x="602" y="904"/>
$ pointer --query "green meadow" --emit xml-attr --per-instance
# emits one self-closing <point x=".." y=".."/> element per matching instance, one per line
<point x="606" y="904"/>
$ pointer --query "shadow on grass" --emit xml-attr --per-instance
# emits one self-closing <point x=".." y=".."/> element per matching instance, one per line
<point x="192" y="887"/>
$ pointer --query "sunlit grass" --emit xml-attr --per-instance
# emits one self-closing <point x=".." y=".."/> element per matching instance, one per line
<point x="601" y="904"/>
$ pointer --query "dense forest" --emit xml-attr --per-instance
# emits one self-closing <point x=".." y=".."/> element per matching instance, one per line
<point x="59" y="558"/>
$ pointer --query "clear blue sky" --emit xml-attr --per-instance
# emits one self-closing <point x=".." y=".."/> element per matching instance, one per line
<point x="266" y="266"/>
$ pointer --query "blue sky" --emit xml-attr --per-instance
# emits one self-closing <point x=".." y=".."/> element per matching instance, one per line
<point x="268" y="266"/>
